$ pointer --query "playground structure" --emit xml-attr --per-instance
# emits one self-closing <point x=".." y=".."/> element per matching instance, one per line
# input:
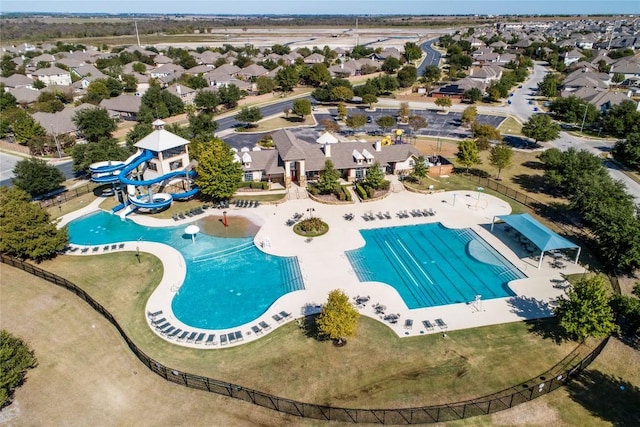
<point x="152" y="178"/>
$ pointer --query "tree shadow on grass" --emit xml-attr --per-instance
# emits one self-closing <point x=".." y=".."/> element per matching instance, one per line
<point x="530" y="183"/>
<point x="607" y="397"/>
<point x="543" y="324"/>
<point x="310" y="329"/>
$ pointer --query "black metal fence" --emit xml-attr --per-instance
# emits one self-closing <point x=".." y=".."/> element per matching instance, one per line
<point x="57" y="198"/>
<point x="564" y="371"/>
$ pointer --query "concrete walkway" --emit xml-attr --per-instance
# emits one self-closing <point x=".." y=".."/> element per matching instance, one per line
<point x="324" y="265"/>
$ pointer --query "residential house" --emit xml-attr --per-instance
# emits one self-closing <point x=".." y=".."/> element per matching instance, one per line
<point x="186" y="94"/>
<point x="52" y="76"/>
<point x="61" y="122"/>
<point x="16" y="81"/>
<point x="167" y="72"/>
<point x="486" y="74"/>
<point x="457" y="89"/>
<point x="252" y="71"/>
<point x="23" y="95"/>
<point x="314" y="58"/>
<point x="571" y="57"/>
<point x="124" y="107"/>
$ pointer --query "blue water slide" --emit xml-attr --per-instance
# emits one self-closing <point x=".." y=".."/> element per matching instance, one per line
<point x="106" y="172"/>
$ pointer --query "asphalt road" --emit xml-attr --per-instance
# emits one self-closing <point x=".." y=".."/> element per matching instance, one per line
<point x="432" y="56"/>
<point x="8" y="163"/>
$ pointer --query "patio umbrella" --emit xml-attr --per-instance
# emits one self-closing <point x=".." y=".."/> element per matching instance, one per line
<point x="193" y="230"/>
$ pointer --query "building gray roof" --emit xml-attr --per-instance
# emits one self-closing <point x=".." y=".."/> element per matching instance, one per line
<point x="122" y="104"/>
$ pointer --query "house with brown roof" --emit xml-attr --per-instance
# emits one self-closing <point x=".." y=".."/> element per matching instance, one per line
<point x="125" y="107"/>
<point x="295" y="160"/>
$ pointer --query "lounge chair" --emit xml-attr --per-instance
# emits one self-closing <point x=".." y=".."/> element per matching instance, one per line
<point x="105" y="248"/>
<point x="121" y="246"/>
<point x="114" y="247"/>
<point x="200" y="338"/>
<point x="223" y="339"/>
<point x="85" y="250"/>
<point x="285" y="315"/>
<point x="277" y="318"/>
<point x="428" y="325"/>
<point x="192" y="336"/>
<point x="232" y="337"/>
<point x="210" y="339"/>
<point x="174" y="333"/>
<point x="183" y="336"/>
<point x="387" y="215"/>
<point x="157" y="322"/>
<point x="168" y="330"/>
<point x="256" y="330"/>
<point x="162" y="326"/>
<point x="441" y="324"/>
<point x="95" y="249"/>
<point x="256" y="204"/>
<point x="181" y="215"/>
<point x="175" y="217"/>
<point x="239" y="336"/>
<point x="154" y="314"/>
<point x="408" y="324"/>
<point x="264" y="325"/>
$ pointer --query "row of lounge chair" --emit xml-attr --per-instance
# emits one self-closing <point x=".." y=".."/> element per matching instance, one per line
<point x="73" y="249"/>
<point x="416" y="213"/>
<point x="368" y="216"/>
<point x="430" y="326"/>
<point x="163" y="326"/>
<point x="246" y="203"/>
<point x="295" y="218"/>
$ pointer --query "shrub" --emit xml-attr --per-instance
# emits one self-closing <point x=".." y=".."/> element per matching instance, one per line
<point x="313" y="190"/>
<point x="15" y="359"/>
<point x="361" y="191"/>
<point x="245" y="184"/>
<point x="371" y="192"/>
<point x="347" y="193"/>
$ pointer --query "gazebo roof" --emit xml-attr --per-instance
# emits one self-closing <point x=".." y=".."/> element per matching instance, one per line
<point x="541" y="236"/>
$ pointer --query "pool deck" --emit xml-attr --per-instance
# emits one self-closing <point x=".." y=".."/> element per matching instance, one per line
<point x="325" y="267"/>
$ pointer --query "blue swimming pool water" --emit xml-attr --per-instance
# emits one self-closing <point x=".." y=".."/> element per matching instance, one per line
<point x="431" y="265"/>
<point x="229" y="281"/>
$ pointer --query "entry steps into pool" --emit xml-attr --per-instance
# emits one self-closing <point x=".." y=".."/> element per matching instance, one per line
<point x="211" y="256"/>
<point x="291" y="275"/>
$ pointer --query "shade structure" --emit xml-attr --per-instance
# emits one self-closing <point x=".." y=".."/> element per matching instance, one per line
<point x="192" y="230"/>
<point x="541" y="236"/>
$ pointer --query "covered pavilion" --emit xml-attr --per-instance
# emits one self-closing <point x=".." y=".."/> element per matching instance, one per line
<point x="542" y="237"/>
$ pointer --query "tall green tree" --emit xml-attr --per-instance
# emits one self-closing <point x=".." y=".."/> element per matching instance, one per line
<point x="390" y="64"/>
<point x="586" y="311"/>
<point x="26" y="230"/>
<point x="341" y="94"/>
<point x="432" y="73"/>
<point x="444" y="102"/>
<point x="106" y="149"/>
<point x="301" y="107"/>
<point x="500" y="157"/>
<point x="328" y="180"/>
<point x="202" y="126"/>
<point x="417" y="122"/>
<point x="473" y="95"/>
<point x="318" y="75"/>
<point x="7" y="100"/>
<point x="375" y="176"/>
<point x="627" y="151"/>
<point x="541" y="128"/>
<point x="15" y="358"/>
<point x="468" y="153"/>
<point x="36" y="177"/>
<point x="265" y="84"/>
<point x="338" y="318"/>
<point x="219" y="175"/>
<point x="420" y="169"/>
<point x="622" y="119"/>
<point x="356" y="121"/>
<point x="249" y="115"/>
<point x="549" y="85"/>
<point x="287" y="78"/>
<point x="94" y="123"/>
<point x="469" y="115"/>
<point x="26" y="128"/>
<point x="230" y="95"/>
<point x="412" y="52"/>
<point x="386" y="122"/>
<point x="369" y="99"/>
<point x="407" y="75"/>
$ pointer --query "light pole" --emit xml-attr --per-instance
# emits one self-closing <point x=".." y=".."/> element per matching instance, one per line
<point x="224" y="219"/>
<point x="55" y="138"/>
<point x="586" y="107"/>
<point x="310" y="210"/>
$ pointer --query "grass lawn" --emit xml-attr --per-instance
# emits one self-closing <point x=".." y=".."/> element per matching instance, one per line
<point x="376" y="368"/>
<point x="510" y="126"/>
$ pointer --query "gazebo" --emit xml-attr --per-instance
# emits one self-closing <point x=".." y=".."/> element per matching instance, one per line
<point x="542" y="237"/>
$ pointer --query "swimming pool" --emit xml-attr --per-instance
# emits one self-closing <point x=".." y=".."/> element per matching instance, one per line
<point x="431" y="265"/>
<point x="229" y="281"/>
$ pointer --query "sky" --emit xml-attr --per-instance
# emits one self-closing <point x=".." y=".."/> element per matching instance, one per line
<point x="311" y="7"/>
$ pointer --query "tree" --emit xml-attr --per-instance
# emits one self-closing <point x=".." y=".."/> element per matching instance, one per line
<point x="484" y="134"/>
<point x="417" y="122"/>
<point x="500" y="157"/>
<point x="207" y="100"/>
<point x="328" y="180"/>
<point x="444" y="102"/>
<point x="342" y="110"/>
<point x="420" y="169"/>
<point x="432" y="73"/>
<point x="356" y="121"/>
<point x="341" y="94"/>
<point x="26" y="230"/>
<point x="139" y="131"/>
<point x="202" y="126"/>
<point x="627" y="151"/>
<point x="469" y="115"/>
<point x="318" y="75"/>
<point x="287" y="78"/>
<point x="338" y="318"/>
<point x="473" y="95"/>
<point x="265" y="84"/>
<point x="407" y="75"/>
<point x="94" y="123"/>
<point x="549" y="85"/>
<point x="230" y="95"/>
<point x="330" y="125"/>
<point x="106" y="149"/>
<point x="249" y="115"/>
<point x="96" y="92"/>
<point x="622" y="119"/>
<point x="468" y="153"/>
<point x="301" y="107"/>
<point x="375" y="176"/>
<point x="219" y="175"/>
<point x="36" y="177"/>
<point x="25" y="128"/>
<point x="404" y="111"/>
<point x="412" y="51"/>
<point x="540" y="127"/>
<point x="386" y="122"/>
<point x="390" y="65"/>
<point x="7" y="100"/>
<point x="15" y="358"/>
<point x="369" y="99"/>
<point x="586" y="311"/>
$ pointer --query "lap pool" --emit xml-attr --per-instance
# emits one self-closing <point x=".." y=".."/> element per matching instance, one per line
<point x="431" y="265"/>
<point x="229" y="281"/>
